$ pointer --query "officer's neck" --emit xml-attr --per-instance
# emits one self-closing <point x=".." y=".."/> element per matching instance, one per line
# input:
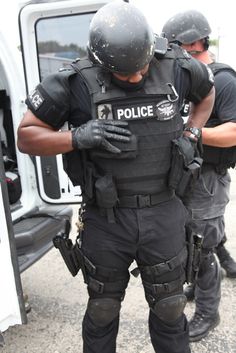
<point x="204" y="57"/>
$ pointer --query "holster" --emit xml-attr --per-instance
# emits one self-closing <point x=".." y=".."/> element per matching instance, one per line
<point x="194" y="246"/>
<point x="70" y="252"/>
<point x="185" y="166"/>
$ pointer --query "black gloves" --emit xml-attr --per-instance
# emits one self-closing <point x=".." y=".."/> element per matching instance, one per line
<point x="96" y="133"/>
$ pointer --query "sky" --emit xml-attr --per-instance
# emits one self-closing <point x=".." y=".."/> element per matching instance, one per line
<point x="221" y="16"/>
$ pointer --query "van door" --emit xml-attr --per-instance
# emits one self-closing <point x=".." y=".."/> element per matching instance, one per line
<point x="52" y="35"/>
<point x="12" y="309"/>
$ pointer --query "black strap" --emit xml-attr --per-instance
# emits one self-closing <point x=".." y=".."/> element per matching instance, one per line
<point x="164" y="267"/>
<point x="141" y="201"/>
<point x="168" y="287"/>
<point x="106" y="287"/>
<point x="113" y="279"/>
<point x="109" y="274"/>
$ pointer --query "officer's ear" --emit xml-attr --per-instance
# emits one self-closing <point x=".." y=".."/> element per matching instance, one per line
<point x="206" y="43"/>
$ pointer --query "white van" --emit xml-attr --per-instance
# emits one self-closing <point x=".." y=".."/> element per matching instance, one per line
<point x="36" y="38"/>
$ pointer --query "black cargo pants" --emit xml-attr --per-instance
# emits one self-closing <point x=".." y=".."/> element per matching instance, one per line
<point x="150" y="236"/>
<point x="206" y="205"/>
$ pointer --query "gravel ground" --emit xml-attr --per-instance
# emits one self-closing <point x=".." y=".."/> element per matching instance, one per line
<point x="58" y="302"/>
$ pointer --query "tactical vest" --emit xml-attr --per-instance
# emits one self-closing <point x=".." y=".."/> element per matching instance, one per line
<point x="218" y="156"/>
<point x="153" y="114"/>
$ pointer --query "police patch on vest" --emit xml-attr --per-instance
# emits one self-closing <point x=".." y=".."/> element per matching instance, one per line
<point x="165" y="110"/>
<point x="36" y="99"/>
<point x="105" y="111"/>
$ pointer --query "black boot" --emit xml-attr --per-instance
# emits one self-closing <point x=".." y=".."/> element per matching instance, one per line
<point x="226" y="261"/>
<point x="189" y="292"/>
<point x="200" y="325"/>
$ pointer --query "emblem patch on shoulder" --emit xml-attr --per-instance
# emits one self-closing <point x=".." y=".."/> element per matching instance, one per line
<point x="210" y="74"/>
<point x="165" y="110"/>
<point x="105" y="112"/>
<point x="36" y="99"/>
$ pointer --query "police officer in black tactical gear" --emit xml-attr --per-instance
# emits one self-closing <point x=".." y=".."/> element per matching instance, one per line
<point x="123" y="104"/>
<point x="207" y="203"/>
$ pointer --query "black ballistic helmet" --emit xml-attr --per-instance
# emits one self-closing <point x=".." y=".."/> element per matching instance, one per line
<point x="186" y="27"/>
<point x="120" y="38"/>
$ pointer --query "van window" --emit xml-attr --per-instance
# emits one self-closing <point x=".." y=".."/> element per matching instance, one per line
<point x="61" y="40"/>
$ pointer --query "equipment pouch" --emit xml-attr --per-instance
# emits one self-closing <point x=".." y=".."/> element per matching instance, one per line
<point x="194" y="245"/>
<point x="185" y="166"/>
<point x="106" y="193"/>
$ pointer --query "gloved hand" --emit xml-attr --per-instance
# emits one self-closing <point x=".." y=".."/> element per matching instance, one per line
<point x="96" y="133"/>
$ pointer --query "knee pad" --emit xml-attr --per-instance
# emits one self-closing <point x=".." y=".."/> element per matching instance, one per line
<point x="103" y="310"/>
<point x="169" y="309"/>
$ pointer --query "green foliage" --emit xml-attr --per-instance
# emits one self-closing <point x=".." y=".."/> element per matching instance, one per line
<point x="55" y="47"/>
<point x="214" y="42"/>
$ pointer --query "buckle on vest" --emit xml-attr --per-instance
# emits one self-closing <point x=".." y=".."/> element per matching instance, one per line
<point x="143" y="201"/>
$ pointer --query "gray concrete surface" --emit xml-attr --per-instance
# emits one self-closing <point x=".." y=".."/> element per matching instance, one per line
<point x="58" y="301"/>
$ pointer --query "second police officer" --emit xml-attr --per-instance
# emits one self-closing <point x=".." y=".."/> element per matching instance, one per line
<point x="207" y="203"/>
<point x="123" y="104"/>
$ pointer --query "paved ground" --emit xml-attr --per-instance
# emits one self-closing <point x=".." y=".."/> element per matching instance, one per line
<point x="58" y="302"/>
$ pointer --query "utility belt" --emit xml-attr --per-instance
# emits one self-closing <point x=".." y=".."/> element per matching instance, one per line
<point x="185" y="169"/>
<point x="140" y="201"/>
<point x="135" y="201"/>
<point x="102" y="192"/>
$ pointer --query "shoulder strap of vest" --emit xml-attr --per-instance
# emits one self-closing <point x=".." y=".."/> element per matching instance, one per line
<point x="217" y="67"/>
<point x="81" y="65"/>
<point x="93" y="75"/>
<point x="95" y="78"/>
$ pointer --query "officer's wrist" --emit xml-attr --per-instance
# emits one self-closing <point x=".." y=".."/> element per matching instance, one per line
<point x="74" y="139"/>
<point x="194" y="132"/>
<point x="190" y="136"/>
